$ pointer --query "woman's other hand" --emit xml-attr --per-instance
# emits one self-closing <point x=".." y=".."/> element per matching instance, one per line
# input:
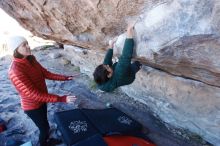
<point x="69" y="77"/>
<point x="72" y="77"/>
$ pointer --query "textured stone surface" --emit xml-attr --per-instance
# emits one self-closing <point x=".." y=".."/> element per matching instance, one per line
<point x="177" y="33"/>
<point x="55" y="55"/>
<point x="170" y="35"/>
<point x="160" y="25"/>
<point x="181" y="102"/>
<point x="195" y="57"/>
<point x="78" y="22"/>
<point x="88" y="97"/>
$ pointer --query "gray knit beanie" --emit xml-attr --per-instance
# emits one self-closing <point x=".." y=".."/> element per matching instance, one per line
<point x="15" y="41"/>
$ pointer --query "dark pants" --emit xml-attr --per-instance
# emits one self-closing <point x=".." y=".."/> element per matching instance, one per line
<point x="136" y="66"/>
<point x="39" y="117"/>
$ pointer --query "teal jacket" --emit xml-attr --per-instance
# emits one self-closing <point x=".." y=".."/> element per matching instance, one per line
<point x="122" y="73"/>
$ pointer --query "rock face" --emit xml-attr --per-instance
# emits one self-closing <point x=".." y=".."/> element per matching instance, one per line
<point x="79" y="22"/>
<point x="162" y="30"/>
<point x="181" y="102"/>
<point x="180" y="37"/>
<point x="194" y="57"/>
<point x="174" y="36"/>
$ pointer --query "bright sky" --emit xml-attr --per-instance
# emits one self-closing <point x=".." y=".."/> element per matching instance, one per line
<point x="9" y="26"/>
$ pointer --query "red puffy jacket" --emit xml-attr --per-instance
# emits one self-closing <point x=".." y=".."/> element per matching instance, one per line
<point x="29" y="80"/>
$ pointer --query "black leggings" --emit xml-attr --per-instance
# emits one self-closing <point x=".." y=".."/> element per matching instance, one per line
<point x="39" y="117"/>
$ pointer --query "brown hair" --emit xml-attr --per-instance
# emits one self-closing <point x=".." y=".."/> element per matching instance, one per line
<point x="100" y="74"/>
<point x="17" y="54"/>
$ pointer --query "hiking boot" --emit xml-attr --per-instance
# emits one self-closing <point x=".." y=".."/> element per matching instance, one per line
<point x="138" y="64"/>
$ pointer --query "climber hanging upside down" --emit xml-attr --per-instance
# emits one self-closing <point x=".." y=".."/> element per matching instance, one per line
<point x="109" y="76"/>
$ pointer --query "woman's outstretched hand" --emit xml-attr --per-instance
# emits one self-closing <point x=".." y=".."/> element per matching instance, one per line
<point x="71" y="77"/>
<point x="71" y="99"/>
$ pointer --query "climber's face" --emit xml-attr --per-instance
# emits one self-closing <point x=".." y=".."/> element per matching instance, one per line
<point x="24" y="49"/>
<point x="109" y="69"/>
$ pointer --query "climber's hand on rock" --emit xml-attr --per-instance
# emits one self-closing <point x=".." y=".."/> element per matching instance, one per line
<point x="112" y="42"/>
<point x="130" y="29"/>
<point x="71" y="99"/>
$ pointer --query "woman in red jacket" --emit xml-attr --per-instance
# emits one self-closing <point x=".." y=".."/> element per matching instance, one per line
<point x="28" y="77"/>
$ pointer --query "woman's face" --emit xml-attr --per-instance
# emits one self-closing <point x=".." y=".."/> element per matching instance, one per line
<point x="24" y="49"/>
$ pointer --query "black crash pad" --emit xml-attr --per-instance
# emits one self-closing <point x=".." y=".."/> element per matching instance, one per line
<point x="79" y="125"/>
<point x="74" y="126"/>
